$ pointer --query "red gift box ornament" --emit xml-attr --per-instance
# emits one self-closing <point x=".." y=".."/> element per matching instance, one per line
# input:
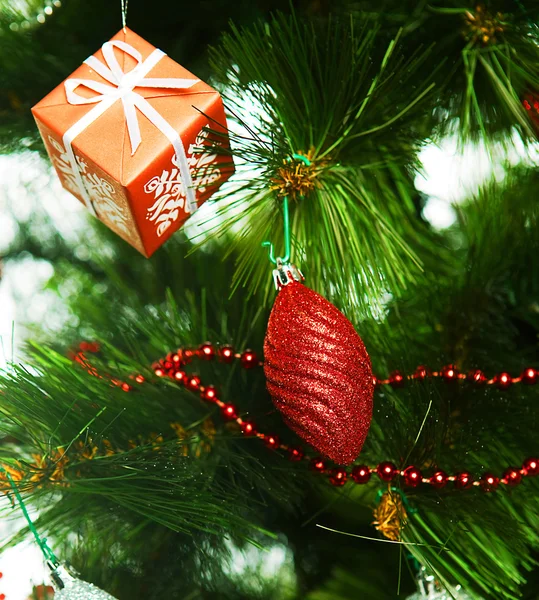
<point x="121" y="87"/>
<point x="117" y="132"/>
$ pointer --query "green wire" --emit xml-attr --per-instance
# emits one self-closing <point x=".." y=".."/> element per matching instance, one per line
<point x="286" y="223"/>
<point x="42" y="543"/>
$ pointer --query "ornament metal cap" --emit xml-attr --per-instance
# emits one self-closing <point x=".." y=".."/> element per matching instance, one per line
<point x="286" y="273"/>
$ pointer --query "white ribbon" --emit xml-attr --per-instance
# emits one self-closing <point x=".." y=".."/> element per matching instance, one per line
<point x="122" y="88"/>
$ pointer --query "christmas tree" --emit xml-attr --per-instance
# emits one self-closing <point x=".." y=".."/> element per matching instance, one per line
<point x="366" y="430"/>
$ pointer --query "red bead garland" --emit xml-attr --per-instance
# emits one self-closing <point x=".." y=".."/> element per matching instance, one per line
<point x="360" y="474"/>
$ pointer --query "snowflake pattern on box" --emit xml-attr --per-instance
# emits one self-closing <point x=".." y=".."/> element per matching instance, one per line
<point x="168" y="189"/>
<point x="101" y="192"/>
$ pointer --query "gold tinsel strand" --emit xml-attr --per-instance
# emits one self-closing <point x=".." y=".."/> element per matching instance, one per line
<point x="51" y="467"/>
<point x="390" y="515"/>
<point x="295" y="179"/>
<point x="483" y="26"/>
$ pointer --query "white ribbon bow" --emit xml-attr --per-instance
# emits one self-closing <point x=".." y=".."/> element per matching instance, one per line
<point x="121" y="87"/>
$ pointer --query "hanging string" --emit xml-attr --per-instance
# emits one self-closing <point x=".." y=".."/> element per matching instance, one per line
<point x="42" y="543"/>
<point x="286" y="224"/>
<point x="124" y="14"/>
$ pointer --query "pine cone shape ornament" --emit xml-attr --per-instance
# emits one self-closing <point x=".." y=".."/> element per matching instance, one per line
<point x="318" y="371"/>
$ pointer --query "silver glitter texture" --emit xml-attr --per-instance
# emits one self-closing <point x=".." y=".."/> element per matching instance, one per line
<point x="76" y="589"/>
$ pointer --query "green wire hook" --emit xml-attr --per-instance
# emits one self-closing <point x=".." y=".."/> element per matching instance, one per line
<point x="286" y="223"/>
<point x="42" y="543"/>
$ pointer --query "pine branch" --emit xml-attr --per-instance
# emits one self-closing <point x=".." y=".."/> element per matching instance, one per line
<point x="329" y="92"/>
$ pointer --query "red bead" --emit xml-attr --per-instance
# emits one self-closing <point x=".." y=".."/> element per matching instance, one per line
<point x="185" y="355"/>
<point x="139" y="379"/>
<point x="167" y="365"/>
<point x="504" y="380"/>
<point x="450" y="373"/>
<point x="159" y="372"/>
<point x="248" y="359"/>
<point x="338" y="477"/>
<point x="248" y="428"/>
<point x="206" y="351"/>
<point x="89" y="346"/>
<point x="272" y="441"/>
<point x="296" y="454"/>
<point x="489" y="482"/>
<point x="421" y="372"/>
<point x="463" y="480"/>
<point x="230" y="411"/>
<point x="126" y="387"/>
<point x="193" y="382"/>
<point x="209" y="393"/>
<point x="412" y="476"/>
<point x="180" y="376"/>
<point x="386" y="471"/>
<point x="529" y="376"/>
<point x="226" y="353"/>
<point x="361" y="474"/>
<point x="396" y="379"/>
<point x="175" y="358"/>
<point x="531" y="467"/>
<point x="477" y="376"/>
<point x="317" y="465"/>
<point x="439" y="479"/>
<point x="512" y="476"/>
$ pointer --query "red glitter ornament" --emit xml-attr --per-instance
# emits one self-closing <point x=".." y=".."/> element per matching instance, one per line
<point x="318" y="373"/>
